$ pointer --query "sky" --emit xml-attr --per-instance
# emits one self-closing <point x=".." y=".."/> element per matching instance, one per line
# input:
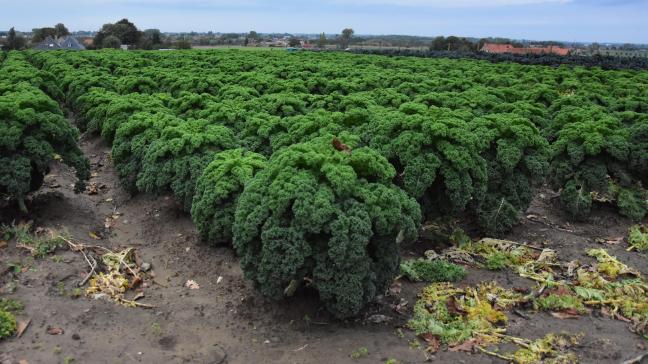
<point x="564" y="20"/>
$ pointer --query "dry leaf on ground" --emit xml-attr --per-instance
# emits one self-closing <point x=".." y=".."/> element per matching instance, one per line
<point x="191" y="284"/>
<point x="21" y="327"/>
<point x="565" y="315"/>
<point x="55" y="331"/>
<point x="434" y="344"/>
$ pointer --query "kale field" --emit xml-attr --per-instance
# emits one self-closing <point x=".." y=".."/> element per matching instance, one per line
<point x="351" y="190"/>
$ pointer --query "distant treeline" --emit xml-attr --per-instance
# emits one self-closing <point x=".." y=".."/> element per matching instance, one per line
<point x="605" y="62"/>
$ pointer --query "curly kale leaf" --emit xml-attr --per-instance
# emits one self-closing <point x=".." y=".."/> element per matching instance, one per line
<point x="438" y="270"/>
<point x="576" y="199"/>
<point x="132" y="141"/>
<point x="218" y="190"/>
<point x="633" y="202"/>
<point x="33" y="131"/>
<point x="518" y="160"/>
<point x="329" y="217"/>
<point x="452" y="162"/>
<point x="108" y="110"/>
<point x="593" y="155"/>
<point x="638" y="155"/>
<point x="436" y="155"/>
<point x="175" y="160"/>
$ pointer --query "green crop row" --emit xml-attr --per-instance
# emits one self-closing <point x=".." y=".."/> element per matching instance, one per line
<point x="316" y="166"/>
<point x="33" y="131"/>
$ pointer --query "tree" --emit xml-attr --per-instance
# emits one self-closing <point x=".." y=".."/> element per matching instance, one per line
<point x="154" y="35"/>
<point x="321" y="42"/>
<point x="15" y="41"/>
<point x="124" y="30"/>
<point x="439" y="44"/>
<point x="39" y="34"/>
<point x="61" y="30"/>
<point x="150" y="39"/>
<point x="183" y="44"/>
<point x="294" y="42"/>
<point x="347" y="34"/>
<point x="453" y="43"/>
<point x="111" y="41"/>
<point x="595" y="48"/>
<point x="481" y="44"/>
<point x="127" y="32"/>
<point x="251" y="38"/>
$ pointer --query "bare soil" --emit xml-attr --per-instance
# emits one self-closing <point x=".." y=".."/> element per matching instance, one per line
<point x="228" y="322"/>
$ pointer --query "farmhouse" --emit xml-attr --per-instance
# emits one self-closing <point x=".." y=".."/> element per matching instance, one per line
<point x="509" y="48"/>
<point x="47" y="44"/>
<point x="68" y="42"/>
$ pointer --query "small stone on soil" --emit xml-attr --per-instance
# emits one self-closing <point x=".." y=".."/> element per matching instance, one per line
<point x="378" y="319"/>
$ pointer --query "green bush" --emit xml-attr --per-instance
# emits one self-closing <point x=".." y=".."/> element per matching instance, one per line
<point x="330" y="218"/>
<point x="7" y="324"/>
<point x="593" y="157"/>
<point x="418" y="270"/>
<point x="8" y="304"/>
<point x="436" y="155"/>
<point x="218" y="190"/>
<point x="638" y="237"/>
<point x="174" y="161"/>
<point x="639" y="151"/>
<point x="105" y="111"/>
<point x="132" y="141"/>
<point x="518" y="160"/>
<point x="33" y="132"/>
<point x="488" y="166"/>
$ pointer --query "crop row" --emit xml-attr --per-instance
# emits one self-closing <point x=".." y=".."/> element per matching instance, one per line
<point x="316" y="166"/>
<point x="33" y="131"/>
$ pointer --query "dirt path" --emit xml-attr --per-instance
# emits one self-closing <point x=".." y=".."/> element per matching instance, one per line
<point x="228" y="322"/>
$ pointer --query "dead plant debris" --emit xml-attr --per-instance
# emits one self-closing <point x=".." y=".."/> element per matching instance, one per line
<point x="638" y="238"/>
<point x="39" y="242"/>
<point x="473" y="318"/>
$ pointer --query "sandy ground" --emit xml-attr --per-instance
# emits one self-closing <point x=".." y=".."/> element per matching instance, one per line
<point x="228" y="322"/>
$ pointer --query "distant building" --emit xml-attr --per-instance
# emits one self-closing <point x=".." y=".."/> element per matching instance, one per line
<point x="280" y="43"/>
<point x="70" y="42"/>
<point x="48" y="43"/>
<point x="67" y="42"/>
<point x="508" y="48"/>
<point x="87" y="41"/>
